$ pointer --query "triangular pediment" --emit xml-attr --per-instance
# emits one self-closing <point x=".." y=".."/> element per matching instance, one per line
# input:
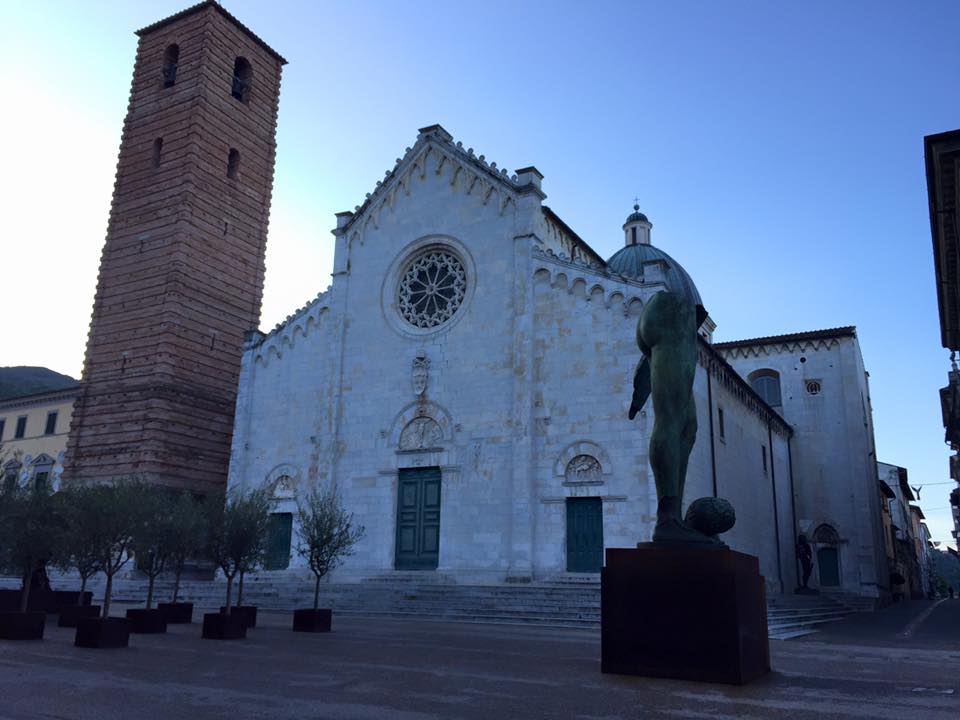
<point x="436" y="152"/>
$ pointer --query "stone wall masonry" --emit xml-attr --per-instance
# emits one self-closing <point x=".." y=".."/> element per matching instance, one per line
<point x="834" y="469"/>
<point x="182" y="269"/>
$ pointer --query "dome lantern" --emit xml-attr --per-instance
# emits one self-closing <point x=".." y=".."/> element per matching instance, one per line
<point x="636" y="230"/>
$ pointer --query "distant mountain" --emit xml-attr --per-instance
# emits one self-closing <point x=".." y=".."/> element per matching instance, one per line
<point x="17" y="381"/>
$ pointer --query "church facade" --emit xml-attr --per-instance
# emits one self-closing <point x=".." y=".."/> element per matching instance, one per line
<point x="464" y="382"/>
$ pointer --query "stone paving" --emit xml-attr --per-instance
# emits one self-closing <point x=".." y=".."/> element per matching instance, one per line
<point x="420" y="670"/>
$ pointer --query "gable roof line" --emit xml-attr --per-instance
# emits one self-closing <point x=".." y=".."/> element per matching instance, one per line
<point x="579" y="241"/>
<point x="440" y="138"/>
<point x="203" y="6"/>
<point x="825" y="334"/>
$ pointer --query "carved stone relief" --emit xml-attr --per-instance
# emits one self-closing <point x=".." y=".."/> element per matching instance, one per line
<point x="420" y="374"/>
<point x="582" y="469"/>
<point x="420" y="433"/>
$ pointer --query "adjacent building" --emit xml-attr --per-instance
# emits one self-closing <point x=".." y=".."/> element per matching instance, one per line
<point x="942" y="153"/>
<point x="33" y="436"/>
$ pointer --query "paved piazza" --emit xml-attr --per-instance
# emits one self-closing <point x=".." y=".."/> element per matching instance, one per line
<point x="404" y="670"/>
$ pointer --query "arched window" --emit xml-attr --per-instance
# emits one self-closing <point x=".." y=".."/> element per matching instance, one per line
<point x="242" y="79"/>
<point x="826" y="535"/>
<point x="766" y="383"/>
<point x="233" y="163"/>
<point x="171" y="57"/>
<point x="157" y="151"/>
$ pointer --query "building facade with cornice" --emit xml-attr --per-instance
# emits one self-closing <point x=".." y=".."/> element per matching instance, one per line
<point x="465" y="380"/>
<point x="818" y="383"/>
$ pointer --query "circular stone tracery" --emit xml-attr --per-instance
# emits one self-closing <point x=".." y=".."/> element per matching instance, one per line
<point x="431" y="289"/>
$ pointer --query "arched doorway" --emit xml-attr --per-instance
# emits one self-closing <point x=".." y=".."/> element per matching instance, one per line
<point x="827" y="541"/>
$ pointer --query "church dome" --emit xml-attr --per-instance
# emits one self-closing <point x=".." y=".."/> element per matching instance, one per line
<point x="629" y="261"/>
<point x="636" y="216"/>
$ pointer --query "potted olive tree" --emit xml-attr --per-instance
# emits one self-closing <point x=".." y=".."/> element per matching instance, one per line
<point x="29" y="538"/>
<point x="117" y="508"/>
<point x="236" y="538"/>
<point x="188" y="531"/>
<point x="78" y="552"/>
<point x="152" y="537"/>
<point x="326" y="534"/>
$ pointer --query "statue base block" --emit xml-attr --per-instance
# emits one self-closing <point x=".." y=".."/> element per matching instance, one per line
<point x="684" y="612"/>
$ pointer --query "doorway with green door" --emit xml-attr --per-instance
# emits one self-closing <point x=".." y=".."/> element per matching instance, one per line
<point x="418" y="519"/>
<point x="584" y="534"/>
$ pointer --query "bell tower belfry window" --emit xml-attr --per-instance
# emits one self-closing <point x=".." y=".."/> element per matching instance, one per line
<point x="162" y="230"/>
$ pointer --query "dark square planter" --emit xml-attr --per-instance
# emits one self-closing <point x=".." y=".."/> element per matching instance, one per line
<point x="177" y="613"/>
<point x="9" y="600"/>
<point x="71" y="613"/>
<point x="147" y="622"/>
<point x="248" y="613"/>
<point x="22" y="626"/>
<point x="217" y="626"/>
<point x="311" y="620"/>
<point x="65" y="598"/>
<point x="112" y="632"/>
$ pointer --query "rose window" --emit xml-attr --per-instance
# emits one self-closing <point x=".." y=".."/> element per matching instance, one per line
<point x="431" y="289"/>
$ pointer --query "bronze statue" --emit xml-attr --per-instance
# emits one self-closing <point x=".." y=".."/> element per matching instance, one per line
<point x="667" y="337"/>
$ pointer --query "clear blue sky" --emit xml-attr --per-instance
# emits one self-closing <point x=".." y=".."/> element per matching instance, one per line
<point x="777" y="148"/>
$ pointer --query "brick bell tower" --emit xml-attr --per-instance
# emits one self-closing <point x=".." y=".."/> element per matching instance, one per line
<point x="181" y="274"/>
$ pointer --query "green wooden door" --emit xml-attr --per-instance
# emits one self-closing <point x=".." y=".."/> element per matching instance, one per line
<point x="584" y="535"/>
<point x="829" y="565"/>
<point x="279" y="534"/>
<point x="418" y="519"/>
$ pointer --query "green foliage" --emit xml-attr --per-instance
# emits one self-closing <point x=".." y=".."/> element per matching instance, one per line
<point x="237" y="530"/>
<point x="326" y="531"/>
<point x="31" y="531"/>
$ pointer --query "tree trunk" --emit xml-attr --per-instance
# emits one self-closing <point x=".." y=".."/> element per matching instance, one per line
<point x="240" y="590"/>
<point x="229" y="593"/>
<point x="25" y="591"/>
<point x="316" y="594"/>
<point x="83" y="589"/>
<point x="153" y="579"/>
<point x="176" y="581"/>
<point x="106" y="595"/>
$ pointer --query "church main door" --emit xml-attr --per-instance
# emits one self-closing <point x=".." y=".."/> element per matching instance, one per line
<point x="418" y="519"/>
<point x="584" y="535"/>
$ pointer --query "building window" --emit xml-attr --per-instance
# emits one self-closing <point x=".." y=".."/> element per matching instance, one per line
<point x="432" y="288"/>
<point x="766" y="383"/>
<point x="157" y="151"/>
<point x="2" y="427"/>
<point x="813" y="388"/>
<point x="40" y="479"/>
<point x="10" y="472"/>
<point x="720" y="425"/>
<point x="242" y="78"/>
<point x="763" y="453"/>
<point x="51" y="427"/>
<point x="633" y="236"/>
<point x="171" y="57"/>
<point x="21" y="428"/>
<point x="233" y="163"/>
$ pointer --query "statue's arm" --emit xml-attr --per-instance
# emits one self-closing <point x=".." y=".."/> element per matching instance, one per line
<point x="641" y="386"/>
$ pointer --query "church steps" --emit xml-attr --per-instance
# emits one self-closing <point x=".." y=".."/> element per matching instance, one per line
<point x="571" y="605"/>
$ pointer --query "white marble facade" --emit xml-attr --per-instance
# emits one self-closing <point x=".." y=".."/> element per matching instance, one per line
<point x="506" y="370"/>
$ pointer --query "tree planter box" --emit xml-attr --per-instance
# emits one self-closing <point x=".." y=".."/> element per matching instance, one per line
<point x="69" y="614"/>
<point x="311" y="620"/>
<point x="22" y="626"/>
<point x="147" y="622"/>
<point x="248" y="614"/>
<point x="65" y="598"/>
<point x="217" y="626"/>
<point x="9" y="600"/>
<point x="112" y="632"/>
<point x="177" y="612"/>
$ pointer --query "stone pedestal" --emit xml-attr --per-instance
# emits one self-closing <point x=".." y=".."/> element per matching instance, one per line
<point x="685" y="612"/>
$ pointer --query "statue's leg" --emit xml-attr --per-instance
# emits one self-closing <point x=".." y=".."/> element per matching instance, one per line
<point x="687" y="437"/>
